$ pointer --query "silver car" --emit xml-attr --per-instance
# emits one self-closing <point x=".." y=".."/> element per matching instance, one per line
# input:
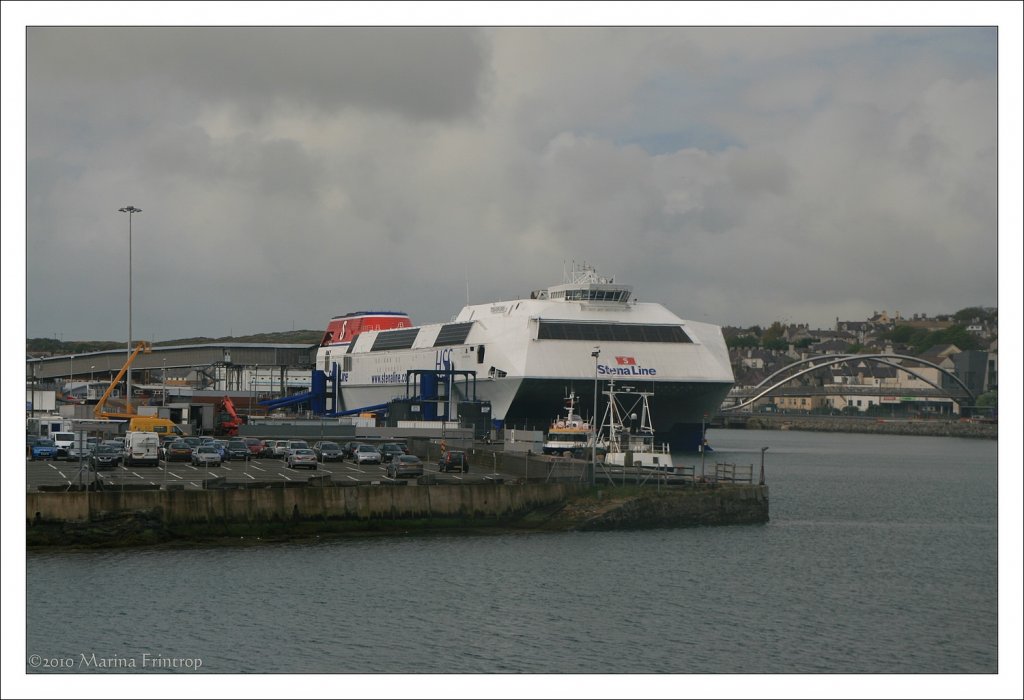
<point x="301" y="457"/>
<point x="366" y="454"/>
<point x="405" y="465"/>
<point x="206" y="454"/>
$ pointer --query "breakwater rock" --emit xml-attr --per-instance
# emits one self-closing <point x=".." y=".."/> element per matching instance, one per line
<point x="633" y="509"/>
<point x="883" y="426"/>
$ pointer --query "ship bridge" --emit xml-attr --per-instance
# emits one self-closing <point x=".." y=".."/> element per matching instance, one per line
<point x="586" y="285"/>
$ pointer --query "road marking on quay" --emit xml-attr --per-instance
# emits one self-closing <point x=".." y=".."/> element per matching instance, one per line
<point x="284" y="475"/>
<point x="255" y="467"/>
<point x="174" y="475"/>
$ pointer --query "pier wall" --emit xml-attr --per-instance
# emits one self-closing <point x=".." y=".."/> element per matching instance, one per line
<point x="248" y="516"/>
<point x="481" y="501"/>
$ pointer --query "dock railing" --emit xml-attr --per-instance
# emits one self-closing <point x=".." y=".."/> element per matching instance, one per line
<point x="724" y="471"/>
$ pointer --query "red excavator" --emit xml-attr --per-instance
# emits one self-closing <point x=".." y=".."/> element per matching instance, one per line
<point x="228" y="419"/>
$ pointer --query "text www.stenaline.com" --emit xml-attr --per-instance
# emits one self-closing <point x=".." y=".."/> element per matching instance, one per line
<point x="92" y="661"/>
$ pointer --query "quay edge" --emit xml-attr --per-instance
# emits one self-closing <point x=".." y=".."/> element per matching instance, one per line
<point x="247" y="516"/>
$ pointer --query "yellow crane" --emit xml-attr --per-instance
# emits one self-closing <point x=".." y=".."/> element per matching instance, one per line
<point x="98" y="411"/>
<point x="136" y="422"/>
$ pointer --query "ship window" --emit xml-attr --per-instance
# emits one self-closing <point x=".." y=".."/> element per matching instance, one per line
<point x="453" y="334"/>
<point x="480" y="354"/>
<point x="395" y="340"/>
<point x="625" y="332"/>
<point x="346" y="364"/>
<point x="618" y="295"/>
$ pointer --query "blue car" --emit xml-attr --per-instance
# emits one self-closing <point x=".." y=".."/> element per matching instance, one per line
<point x="44" y="448"/>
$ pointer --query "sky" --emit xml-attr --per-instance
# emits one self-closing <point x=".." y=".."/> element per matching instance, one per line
<point x="737" y="175"/>
<point x="824" y="160"/>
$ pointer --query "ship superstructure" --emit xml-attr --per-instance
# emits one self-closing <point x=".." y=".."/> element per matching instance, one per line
<point x="524" y="355"/>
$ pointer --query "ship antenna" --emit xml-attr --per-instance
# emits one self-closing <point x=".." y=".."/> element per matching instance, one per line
<point x="466" y="269"/>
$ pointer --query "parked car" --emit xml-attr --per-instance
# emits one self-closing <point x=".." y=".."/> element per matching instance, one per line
<point x="327" y="451"/>
<point x="405" y="465"/>
<point x="255" y="447"/>
<point x="206" y="454"/>
<point x="453" y="460"/>
<point x="268" y="448"/>
<point x="237" y="449"/>
<point x="294" y="445"/>
<point x="301" y="457"/>
<point x="222" y="448"/>
<point x="105" y="457"/>
<point x="78" y="451"/>
<point x="280" y="446"/>
<point x="389" y="450"/>
<point x="117" y="444"/>
<point x="177" y="451"/>
<point x="43" y="448"/>
<point x="366" y="454"/>
<point x="348" y="450"/>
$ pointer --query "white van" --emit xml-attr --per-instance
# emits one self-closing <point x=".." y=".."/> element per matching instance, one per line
<point x="141" y="449"/>
<point x="63" y="441"/>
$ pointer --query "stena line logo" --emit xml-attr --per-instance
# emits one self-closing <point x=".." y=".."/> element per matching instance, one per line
<point x="626" y="366"/>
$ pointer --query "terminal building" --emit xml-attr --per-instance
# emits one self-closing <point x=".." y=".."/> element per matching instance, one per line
<point x="174" y="381"/>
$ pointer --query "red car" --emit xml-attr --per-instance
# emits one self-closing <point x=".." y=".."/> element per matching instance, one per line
<point x="255" y="446"/>
<point x="178" y="451"/>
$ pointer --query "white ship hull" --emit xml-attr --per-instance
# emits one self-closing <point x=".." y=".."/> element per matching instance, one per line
<point x="526" y="354"/>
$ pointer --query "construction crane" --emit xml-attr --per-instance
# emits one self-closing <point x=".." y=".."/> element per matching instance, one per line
<point x="163" y="426"/>
<point x="98" y="411"/>
<point x="228" y="419"/>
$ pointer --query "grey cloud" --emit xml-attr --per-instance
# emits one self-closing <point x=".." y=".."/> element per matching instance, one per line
<point x="737" y="176"/>
<point x="420" y="73"/>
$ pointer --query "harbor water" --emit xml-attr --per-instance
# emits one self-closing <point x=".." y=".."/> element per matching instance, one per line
<point x="880" y="558"/>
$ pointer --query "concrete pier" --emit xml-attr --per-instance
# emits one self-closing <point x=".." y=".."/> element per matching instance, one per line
<point x="129" y="518"/>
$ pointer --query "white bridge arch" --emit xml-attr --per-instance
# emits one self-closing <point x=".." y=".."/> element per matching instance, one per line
<point x="827" y="360"/>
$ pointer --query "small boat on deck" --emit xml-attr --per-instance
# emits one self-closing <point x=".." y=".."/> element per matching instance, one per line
<point x="568" y="433"/>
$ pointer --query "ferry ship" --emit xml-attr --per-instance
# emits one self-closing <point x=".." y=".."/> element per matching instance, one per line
<point x="523" y="355"/>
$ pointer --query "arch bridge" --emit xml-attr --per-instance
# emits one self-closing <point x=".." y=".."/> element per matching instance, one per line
<point x="820" y="361"/>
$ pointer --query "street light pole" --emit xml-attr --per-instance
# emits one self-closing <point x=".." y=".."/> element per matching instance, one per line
<point x="703" y="444"/>
<point x="761" y="480"/>
<point x="129" y="210"/>
<point x="71" y="382"/>
<point x="593" y="421"/>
